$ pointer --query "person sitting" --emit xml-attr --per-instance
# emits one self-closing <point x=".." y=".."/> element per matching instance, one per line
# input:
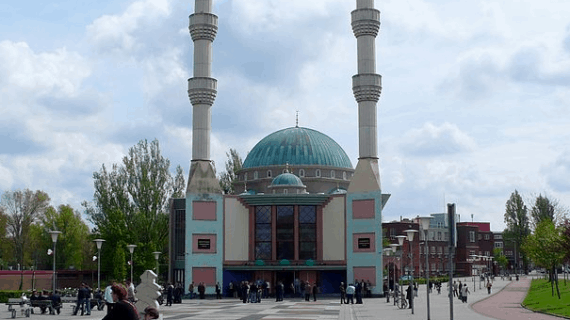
<point x="56" y="301"/>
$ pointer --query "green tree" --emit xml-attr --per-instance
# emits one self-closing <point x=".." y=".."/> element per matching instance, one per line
<point x="543" y="209"/>
<point x="22" y="208"/>
<point x="517" y="221"/>
<point x="545" y="249"/>
<point x="5" y="252"/>
<point x="131" y="205"/>
<point x="500" y="257"/>
<point x="228" y="177"/>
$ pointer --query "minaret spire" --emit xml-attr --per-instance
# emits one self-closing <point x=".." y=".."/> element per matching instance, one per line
<point x="202" y="90"/>
<point x="366" y="86"/>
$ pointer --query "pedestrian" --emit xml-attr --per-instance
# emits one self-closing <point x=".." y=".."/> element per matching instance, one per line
<point x="358" y="291"/>
<point x="455" y="291"/>
<point x="202" y="290"/>
<point x="315" y="290"/>
<point x="278" y="289"/>
<point x="307" y="291"/>
<point x="109" y="303"/>
<point x="56" y="301"/>
<point x="244" y="289"/>
<point x="460" y="291"/>
<point x="489" y="285"/>
<point x="191" y="290"/>
<point x="123" y="309"/>
<point x="150" y="313"/>
<point x="131" y="291"/>
<point x="218" y="291"/>
<point x="342" y="293"/>
<point x="464" y="293"/>
<point x="169" y="294"/>
<point x="409" y="294"/>
<point x="350" y="293"/>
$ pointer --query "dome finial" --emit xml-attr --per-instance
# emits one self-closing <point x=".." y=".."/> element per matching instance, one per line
<point x="286" y="167"/>
<point x="245" y="187"/>
<point x="297" y="119"/>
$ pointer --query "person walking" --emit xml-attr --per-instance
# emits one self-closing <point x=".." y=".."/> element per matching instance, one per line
<point x="109" y="303"/>
<point x="169" y="294"/>
<point x="409" y="294"/>
<point x="307" y="291"/>
<point x="489" y="285"/>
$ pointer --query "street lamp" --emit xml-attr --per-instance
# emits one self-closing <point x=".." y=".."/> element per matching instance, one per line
<point x="99" y="243"/>
<point x="424" y="223"/>
<point x="131" y="250"/>
<point x="394" y="248"/>
<point x="54" y="235"/>
<point x="386" y="252"/>
<point x="410" y="235"/>
<point x="156" y="255"/>
<point x="401" y="244"/>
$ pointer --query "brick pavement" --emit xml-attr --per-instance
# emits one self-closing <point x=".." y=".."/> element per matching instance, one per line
<point x="502" y="304"/>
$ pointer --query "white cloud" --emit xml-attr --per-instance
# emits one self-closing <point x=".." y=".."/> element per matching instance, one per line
<point x="116" y="33"/>
<point x="431" y="140"/>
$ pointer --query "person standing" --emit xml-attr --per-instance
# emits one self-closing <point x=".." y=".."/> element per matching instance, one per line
<point x="131" y="291"/>
<point x="489" y="285"/>
<point x="218" y="291"/>
<point x="409" y="293"/>
<point x="244" y="289"/>
<point x="202" y="290"/>
<point x="342" y="293"/>
<point x="307" y="291"/>
<point x="464" y="293"/>
<point x="108" y="297"/>
<point x="358" y="292"/>
<point x="169" y="294"/>
<point x="191" y="289"/>
<point x="315" y="291"/>
<point x="56" y="302"/>
<point x="350" y="293"/>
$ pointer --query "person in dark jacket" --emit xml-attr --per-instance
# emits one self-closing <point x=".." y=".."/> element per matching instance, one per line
<point x="169" y="294"/>
<point x="123" y="309"/>
<point x="315" y="290"/>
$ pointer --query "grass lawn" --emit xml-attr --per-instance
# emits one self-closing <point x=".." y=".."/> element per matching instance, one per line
<point x="540" y="298"/>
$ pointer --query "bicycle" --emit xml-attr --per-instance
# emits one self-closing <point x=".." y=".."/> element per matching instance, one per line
<point x="400" y="300"/>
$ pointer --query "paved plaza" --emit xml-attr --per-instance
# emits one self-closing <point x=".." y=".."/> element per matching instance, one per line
<point x="503" y="303"/>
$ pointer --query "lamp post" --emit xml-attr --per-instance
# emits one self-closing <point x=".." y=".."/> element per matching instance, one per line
<point x="401" y="244"/>
<point x="424" y="223"/>
<point x="99" y="243"/>
<point x="386" y="252"/>
<point x="54" y="234"/>
<point x="131" y="250"/>
<point x="410" y="235"/>
<point x="156" y="255"/>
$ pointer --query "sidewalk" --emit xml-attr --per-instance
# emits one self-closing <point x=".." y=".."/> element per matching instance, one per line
<point x="504" y="303"/>
<point x="439" y="304"/>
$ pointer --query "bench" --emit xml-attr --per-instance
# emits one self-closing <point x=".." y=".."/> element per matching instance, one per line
<point x="14" y="303"/>
<point x="43" y="305"/>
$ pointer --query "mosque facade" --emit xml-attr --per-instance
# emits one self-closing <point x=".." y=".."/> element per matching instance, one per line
<point x="301" y="211"/>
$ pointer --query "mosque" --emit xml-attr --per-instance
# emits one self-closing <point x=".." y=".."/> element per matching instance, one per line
<point x="302" y="210"/>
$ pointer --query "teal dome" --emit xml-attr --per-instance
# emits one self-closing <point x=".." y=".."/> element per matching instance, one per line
<point x="297" y="146"/>
<point x="287" y="179"/>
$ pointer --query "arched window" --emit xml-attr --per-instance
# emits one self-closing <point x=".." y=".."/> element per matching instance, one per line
<point x="344" y="175"/>
<point x="269" y="173"/>
<point x="318" y="173"/>
<point x="332" y="174"/>
<point x="255" y="175"/>
<point x="302" y="173"/>
<point x="285" y="191"/>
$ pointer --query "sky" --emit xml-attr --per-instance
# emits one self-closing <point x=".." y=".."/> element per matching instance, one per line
<point x="475" y="100"/>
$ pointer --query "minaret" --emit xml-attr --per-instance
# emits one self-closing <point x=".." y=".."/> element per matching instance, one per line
<point x="366" y="86"/>
<point x="364" y="199"/>
<point x="202" y="92"/>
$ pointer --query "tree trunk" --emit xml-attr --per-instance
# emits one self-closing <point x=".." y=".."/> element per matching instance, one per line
<point x="556" y="279"/>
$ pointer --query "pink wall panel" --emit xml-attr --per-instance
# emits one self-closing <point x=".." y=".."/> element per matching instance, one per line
<point x="204" y="210"/>
<point x="356" y="236"/>
<point x="365" y="273"/>
<point x="196" y="237"/>
<point x="204" y="274"/>
<point x="363" y="209"/>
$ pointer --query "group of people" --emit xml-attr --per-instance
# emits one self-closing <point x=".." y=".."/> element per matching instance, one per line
<point x="350" y="292"/>
<point x="122" y="308"/>
<point x="54" y="297"/>
<point x="461" y="291"/>
<point x="173" y="293"/>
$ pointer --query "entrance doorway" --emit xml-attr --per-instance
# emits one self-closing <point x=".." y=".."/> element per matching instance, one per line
<point x="287" y="278"/>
